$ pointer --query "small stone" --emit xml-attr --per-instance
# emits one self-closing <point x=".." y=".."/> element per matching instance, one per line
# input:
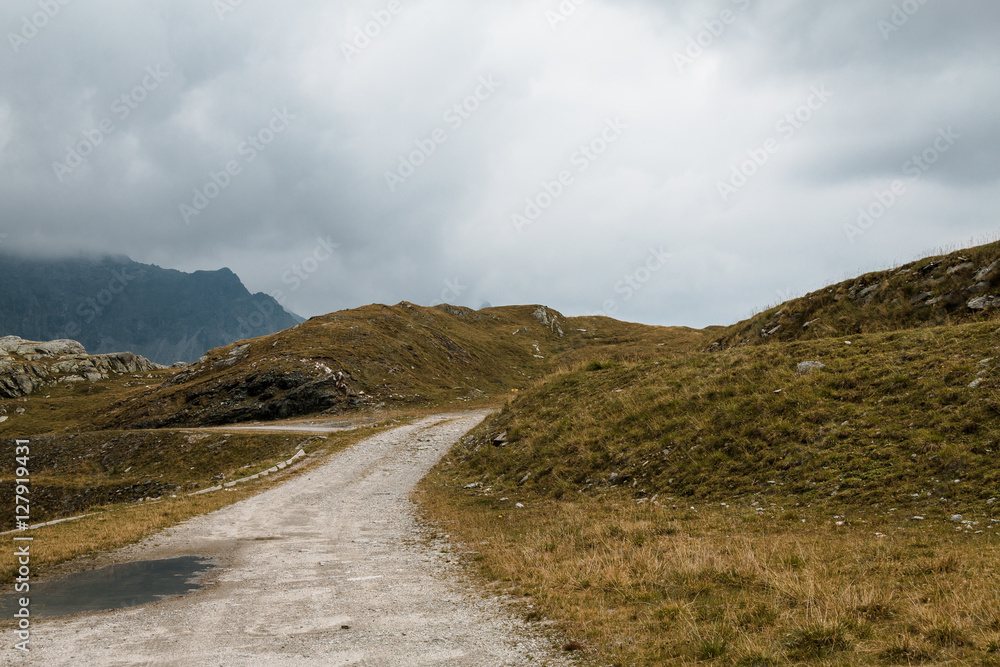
<point x="809" y="366"/>
<point x="519" y="506"/>
<point x="474" y="485"/>
<point x="991" y="501"/>
<point x="524" y="479"/>
<point x="919" y="518"/>
<point x="958" y="518"/>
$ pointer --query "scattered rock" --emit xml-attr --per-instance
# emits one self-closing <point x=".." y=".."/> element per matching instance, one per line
<point x="961" y="267"/>
<point x="958" y="518"/>
<point x="500" y="440"/>
<point x="524" y="479"/>
<point x="985" y="273"/>
<point x="919" y="518"/>
<point x="984" y="303"/>
<point x="991" y="501"/>
<point x="474" y="485"/>
<point x="975" y="383"/>
<point x="809" y="366"/>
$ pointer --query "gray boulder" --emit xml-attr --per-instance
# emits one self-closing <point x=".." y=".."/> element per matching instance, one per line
<point x="984" y="303"/>
<point x="807" y="367"/>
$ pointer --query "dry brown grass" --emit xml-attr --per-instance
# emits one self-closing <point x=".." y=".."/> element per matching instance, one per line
<point x="644" y="585"/>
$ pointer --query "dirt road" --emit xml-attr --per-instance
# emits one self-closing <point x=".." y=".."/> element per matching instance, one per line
<point x="328" y="569"/>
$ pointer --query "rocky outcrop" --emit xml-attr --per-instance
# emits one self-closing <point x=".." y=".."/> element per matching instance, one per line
<point x="550" y="319"/>
<point x="27" y="366"/>
<point x="962" y="287"/>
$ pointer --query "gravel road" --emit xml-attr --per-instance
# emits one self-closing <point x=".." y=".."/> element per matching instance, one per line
<point x="329" y="569"/>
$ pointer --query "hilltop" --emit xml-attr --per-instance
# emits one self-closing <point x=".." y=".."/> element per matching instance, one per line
<point x="957" y="288"/>
<point x="384" y="357"/>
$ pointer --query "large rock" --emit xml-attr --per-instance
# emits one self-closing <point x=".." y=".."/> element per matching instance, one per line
<point x="984" y="303"/>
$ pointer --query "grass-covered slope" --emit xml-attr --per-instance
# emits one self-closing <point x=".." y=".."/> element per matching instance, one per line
<point x="957" y="288"/>
<point x="727" y="507"/>
<point x="381" y="357"/>
<point x="891" y="419"/>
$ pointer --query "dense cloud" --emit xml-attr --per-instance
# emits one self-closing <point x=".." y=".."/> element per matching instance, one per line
<point x="676" y="163"/>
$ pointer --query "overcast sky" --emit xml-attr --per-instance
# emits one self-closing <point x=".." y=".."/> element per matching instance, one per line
<point x="663" y="162"/>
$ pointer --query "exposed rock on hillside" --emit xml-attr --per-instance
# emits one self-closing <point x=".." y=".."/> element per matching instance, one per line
<point x="951" y="289"/>
<point x="27" y="366"/>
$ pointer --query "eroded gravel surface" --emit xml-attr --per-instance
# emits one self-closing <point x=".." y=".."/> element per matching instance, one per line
<point x="338" y="546"/>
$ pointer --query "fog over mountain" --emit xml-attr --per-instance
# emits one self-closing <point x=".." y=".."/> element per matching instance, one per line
<point x="113" y="304"/>
<point x="337" y="154"/>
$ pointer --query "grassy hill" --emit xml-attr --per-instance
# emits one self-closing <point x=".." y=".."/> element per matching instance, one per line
<point x="957" y="288"/>
<point x="729" y="506"/>
<point x="892" y="418"/>
<point x="379" y="358"/>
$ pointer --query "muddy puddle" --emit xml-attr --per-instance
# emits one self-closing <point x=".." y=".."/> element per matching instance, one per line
<point x="111" y="587"/>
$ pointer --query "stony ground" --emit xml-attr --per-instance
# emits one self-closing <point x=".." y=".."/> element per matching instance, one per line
<point x="329" y="569"/>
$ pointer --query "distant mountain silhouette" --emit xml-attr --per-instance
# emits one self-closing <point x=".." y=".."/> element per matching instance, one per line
<point x="112" y="304"/>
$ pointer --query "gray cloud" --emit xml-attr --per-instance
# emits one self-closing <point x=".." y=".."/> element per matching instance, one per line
<point x="446" y="230"/>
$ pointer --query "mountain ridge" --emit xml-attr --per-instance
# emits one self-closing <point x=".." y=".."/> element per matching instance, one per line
<point x="113" y="304"/>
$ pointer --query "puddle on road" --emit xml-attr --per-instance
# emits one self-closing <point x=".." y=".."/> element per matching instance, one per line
<point x="111" y="587"/>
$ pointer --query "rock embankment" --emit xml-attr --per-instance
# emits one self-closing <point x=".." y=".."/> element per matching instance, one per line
<point x="27" y="366"/>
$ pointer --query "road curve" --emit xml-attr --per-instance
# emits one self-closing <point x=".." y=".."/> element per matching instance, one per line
<point x="329" y="569"/>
